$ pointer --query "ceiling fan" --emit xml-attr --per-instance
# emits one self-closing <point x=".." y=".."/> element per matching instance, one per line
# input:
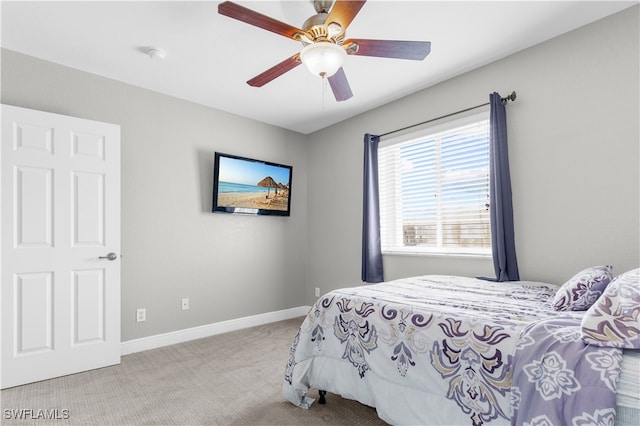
<point x="325" y="47"/>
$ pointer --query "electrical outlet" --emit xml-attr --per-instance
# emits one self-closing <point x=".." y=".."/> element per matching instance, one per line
<point x="141" y="315"/>
<point x="185" y="303"/>
<point x="317" y="291"/>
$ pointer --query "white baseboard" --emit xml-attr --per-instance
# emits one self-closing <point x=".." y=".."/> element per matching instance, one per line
<point x="171" y="338"/>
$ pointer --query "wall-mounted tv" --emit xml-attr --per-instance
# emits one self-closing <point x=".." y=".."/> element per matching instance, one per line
<point x="249" y="186"/>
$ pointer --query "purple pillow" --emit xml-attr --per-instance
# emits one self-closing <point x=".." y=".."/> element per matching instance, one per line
<point x="583" y="289"/>
<point x="614" y="320"/>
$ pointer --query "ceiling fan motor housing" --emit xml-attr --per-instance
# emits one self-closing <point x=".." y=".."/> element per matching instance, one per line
<point x="315" y="28"/>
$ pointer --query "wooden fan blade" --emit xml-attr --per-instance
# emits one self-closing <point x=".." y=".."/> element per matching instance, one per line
<point x="343" y="12"/>
<point x="275" y="71"/>
<point x="414" y="50"/>
<point x="251" y="17"/>
<point x="340" y="86"/>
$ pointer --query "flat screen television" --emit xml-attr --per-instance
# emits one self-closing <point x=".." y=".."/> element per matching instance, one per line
<point x="249" y="186"/>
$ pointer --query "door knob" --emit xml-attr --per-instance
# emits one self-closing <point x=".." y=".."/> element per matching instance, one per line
<point x="110" y="256"/>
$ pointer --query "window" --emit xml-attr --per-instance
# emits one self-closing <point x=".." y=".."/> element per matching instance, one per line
<point x="434" y="189"/>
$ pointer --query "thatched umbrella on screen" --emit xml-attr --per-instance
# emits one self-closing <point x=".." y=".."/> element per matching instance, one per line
<point x="269" y="183"/>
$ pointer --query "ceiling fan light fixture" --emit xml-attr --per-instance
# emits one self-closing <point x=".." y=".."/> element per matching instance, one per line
<point x="323" y="58"/>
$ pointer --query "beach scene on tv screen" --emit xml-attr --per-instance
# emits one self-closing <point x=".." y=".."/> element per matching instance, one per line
<point x="253" y="185"/>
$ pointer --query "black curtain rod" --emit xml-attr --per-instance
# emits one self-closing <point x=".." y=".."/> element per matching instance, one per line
<point x="511" y="97"/>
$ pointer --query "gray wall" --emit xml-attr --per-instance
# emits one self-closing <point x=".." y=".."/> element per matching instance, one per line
<point x="173" y="247"/>
<point x="574" y="155"/>
<point x="574" y="151"/>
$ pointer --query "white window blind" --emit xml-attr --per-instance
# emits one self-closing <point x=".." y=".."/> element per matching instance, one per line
<point x="434" y="189"/>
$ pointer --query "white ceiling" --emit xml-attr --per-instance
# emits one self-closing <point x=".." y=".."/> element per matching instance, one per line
<point x="210" y="56"/>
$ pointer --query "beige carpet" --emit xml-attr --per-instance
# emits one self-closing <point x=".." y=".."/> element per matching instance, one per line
<point x="229" y="379"/>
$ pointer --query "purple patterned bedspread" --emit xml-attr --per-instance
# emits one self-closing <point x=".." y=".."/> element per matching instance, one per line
<point x="560" y="380"/>
<point x="447" y="350"/>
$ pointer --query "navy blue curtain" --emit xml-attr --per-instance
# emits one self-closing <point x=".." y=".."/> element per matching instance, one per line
<point x="371" y="249"/>
<point x="503" y="244"/>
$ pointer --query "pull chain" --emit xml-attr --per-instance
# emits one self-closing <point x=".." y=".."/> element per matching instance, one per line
<point x="324" y="91"/>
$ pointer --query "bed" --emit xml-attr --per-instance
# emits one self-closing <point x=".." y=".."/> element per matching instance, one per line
<point x="456" y="350"/>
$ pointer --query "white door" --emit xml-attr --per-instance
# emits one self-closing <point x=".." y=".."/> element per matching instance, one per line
<point x="60" y="250"/>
